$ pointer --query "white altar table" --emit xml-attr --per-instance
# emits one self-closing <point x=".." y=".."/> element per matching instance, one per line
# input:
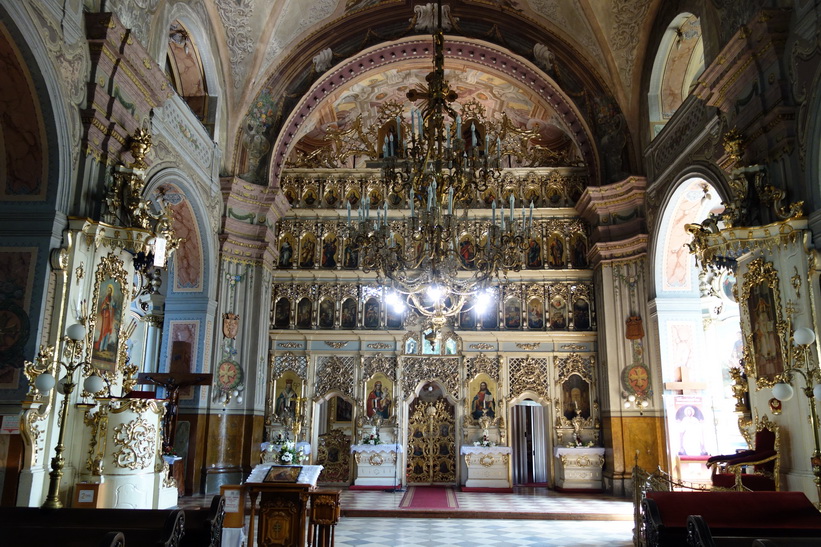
<point x="579" y="468"/>
<point x="487" y="466"/>
<point x="377" y="464"/>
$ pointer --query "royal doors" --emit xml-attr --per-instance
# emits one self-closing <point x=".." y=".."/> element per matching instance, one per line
<point x="431" y="441"/>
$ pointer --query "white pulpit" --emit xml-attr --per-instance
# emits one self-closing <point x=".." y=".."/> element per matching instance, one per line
<point x="579" y="468"/>
<point x="376" y="464"/>
<point x="127" y="461"/>
<point x="487" y="466"/>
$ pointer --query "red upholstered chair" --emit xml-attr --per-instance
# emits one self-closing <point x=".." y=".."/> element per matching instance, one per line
<point x="756" y="469"/>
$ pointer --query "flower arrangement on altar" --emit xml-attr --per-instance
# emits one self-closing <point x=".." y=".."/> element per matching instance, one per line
<point x="371" y="439"/>
<point x="579" y="444"/>
<point x="289" y="453"/>
<point x="484" y="442"/>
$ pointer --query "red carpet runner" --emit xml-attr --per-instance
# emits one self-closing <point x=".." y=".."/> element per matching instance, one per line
<point x="429" y="497"/>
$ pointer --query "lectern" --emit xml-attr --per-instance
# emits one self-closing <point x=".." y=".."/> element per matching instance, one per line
<point x="283" y="506"/>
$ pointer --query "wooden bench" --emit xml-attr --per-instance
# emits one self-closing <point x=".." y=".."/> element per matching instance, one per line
<point x="203" y="527"/>
<point x="748" y="515"/>
<point x="700" y="535"/>
<point x="38" y="527"/>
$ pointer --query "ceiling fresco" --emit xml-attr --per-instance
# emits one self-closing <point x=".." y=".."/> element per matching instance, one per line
<point x="497" y="95"/>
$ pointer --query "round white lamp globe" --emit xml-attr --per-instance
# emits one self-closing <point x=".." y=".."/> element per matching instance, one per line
<point x="76" y="332"/>
<point x="782" y="391"/>
<point x="94" y="384"/>
<point x="804" y="336"/>
<point x="44" y="382"/>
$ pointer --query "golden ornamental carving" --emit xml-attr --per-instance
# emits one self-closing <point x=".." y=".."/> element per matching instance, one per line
<point x="98" y="423"/>
<point x="711" y="245"/>
<point x="530" y="346"/>
<point x="505" y="459"/>
<point x="379" y="345"/>
<point x="574" y="364"/>
<point x="482" y="346"/>
<point x="418" y="369"/>
<point x="573" y="347"/>
<point x="42" y="363"/>
<point x="468" y="459"/>
<point x="137" y="441"/>
<point x="289" y="361"/>
<point x="379" y="363"/>
<point x="487" y="460"/>
<point x="291" y="345"/>
<point x="168" y="481"/>
<point x="484" y="364"/>
<point x="30" y="430"/>
<point x="733" y="141"/>
<point x="375" y="459"/>
<point x="334" y="373"/>
<point x="528" y="374"/>
<point x="138" y="406"/>
<point x="140" y="146"/>
<point x="129" y="376"/>
<point x="335" y="345"/>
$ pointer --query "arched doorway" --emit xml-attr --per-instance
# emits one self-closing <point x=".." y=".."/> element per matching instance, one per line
<point x="431" y="449"/>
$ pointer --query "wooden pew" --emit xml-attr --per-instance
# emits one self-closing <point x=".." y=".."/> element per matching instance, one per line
<point x="748" y="515"/>
<point x="203" y="527"/>
<point x="38" y="527"/>
<point x="700" y="535"/>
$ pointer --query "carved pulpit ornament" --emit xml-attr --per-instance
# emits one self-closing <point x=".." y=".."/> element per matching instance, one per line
<point x="230" y="325"/>
<point x="635" y="330"/>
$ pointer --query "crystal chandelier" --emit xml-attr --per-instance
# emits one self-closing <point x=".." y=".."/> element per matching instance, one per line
<point x="440" y="163"/>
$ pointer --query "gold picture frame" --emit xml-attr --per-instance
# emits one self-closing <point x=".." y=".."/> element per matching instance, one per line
<point x="379" y="397"/>
<point x="106" y="339"/>
<point x="761" y="313"/>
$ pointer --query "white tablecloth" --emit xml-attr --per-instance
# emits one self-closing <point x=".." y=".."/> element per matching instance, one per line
<point x="469" y="449"/>
<point x="308" y="475"/>
<point x="377" y="448"/>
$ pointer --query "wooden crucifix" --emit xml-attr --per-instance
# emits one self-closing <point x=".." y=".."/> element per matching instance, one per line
<point x="172" y="382"/>
<point x="685" y="385"/>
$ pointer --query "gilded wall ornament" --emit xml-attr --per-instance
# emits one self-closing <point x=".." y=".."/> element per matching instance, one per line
<point x="528" y="345"/>
<point x="482" y="346"/>
<point x="137" y="444"/>
<point x="334" y="374"/>
<point x="528" y="374"/>
<point x="418" y="369"/>
<point x="484" y="364"/>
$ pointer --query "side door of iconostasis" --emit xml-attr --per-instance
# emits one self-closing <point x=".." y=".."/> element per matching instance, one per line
<point x="335" y="410"/>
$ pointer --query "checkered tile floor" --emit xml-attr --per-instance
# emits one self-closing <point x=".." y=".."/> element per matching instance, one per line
<point x="570" y="520"/>
<point x="522" y="500"/>
<point x="408" y="532"/>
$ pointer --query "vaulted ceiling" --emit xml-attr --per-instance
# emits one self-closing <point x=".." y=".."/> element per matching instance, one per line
<point x="271" y="55"/>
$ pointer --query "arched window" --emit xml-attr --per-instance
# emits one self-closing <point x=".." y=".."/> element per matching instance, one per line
<point x="679" y="61"/>
<point x="699" y="335"/>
